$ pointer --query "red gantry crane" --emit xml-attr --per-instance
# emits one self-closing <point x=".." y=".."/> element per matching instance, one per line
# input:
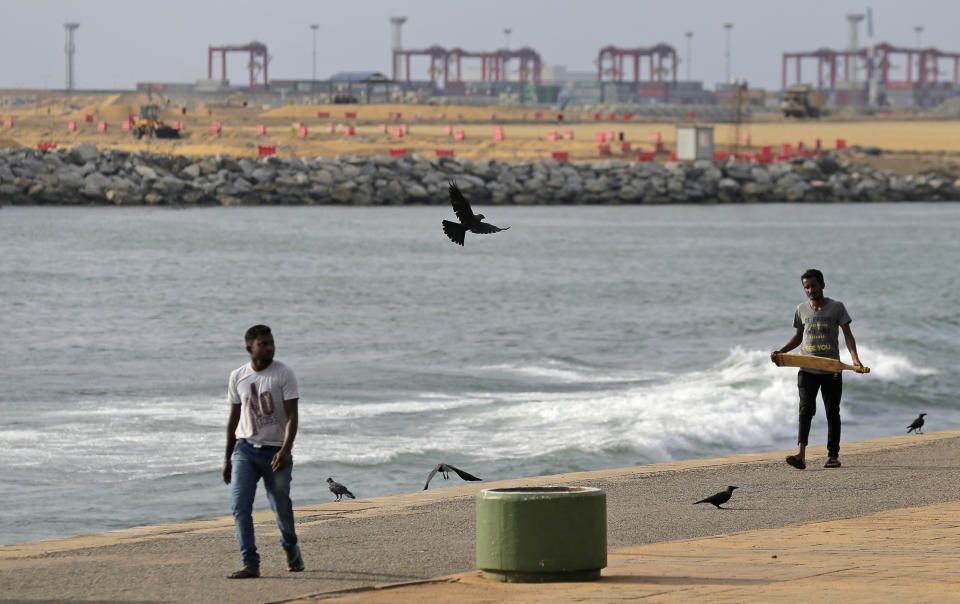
<point x="928" y="68"/>
<point x="256" y="49"/>
<point x="493" y="66"/>
<point x="614" y="55"/>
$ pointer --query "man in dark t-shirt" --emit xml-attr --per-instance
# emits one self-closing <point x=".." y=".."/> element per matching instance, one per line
<point x="818" y="323"/>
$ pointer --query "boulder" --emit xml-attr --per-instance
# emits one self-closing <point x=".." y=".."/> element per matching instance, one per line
<point x="84" y="153"/>
<point x="630" y="194"/>
<point x="246" y="165"/>
<point x="108" y="167"/>
<point x="794" y="191"/>
<point x="94" y="185"/>
<point x="728" y="190"/>
<point x="207" y="166"/>
<point x="70" y="177"/>
<point x="755" y="191"/>
<point x="263" y="175"/>
<point x="760" y="175"/>
<point x="321" y="177"/>
<point x="416" y="191"/>
<point x="343" y="192"/>
<point x="146" y="172"/>
<point x="828" y="164"/>
<point x="169" y="184"/>
<point x="191" y="172"/>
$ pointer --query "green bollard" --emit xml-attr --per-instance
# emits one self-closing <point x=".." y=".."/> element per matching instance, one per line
<point x="542" y="534"/>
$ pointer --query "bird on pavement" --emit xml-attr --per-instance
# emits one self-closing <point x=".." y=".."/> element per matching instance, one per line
<point x="445" y="469"/>
<point x="339" y="490"/>
<point x="468" y="220"/>
<point x="916" y="425"/>
<point x="718" y="498"/>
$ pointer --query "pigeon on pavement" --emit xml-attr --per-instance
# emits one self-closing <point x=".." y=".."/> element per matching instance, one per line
<point x="468" y="220"/>
<point x="445" y="470"/>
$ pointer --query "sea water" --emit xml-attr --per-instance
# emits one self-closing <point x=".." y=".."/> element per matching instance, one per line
<point x="582" y="338"/>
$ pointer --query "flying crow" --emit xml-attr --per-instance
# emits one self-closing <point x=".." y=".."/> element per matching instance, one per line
<point x="916" y="425"/>
<point x="445" y="470"/>
<point x="339" y="490"/>
<point x="718" y="498"/>
<point x="468" y="220"/>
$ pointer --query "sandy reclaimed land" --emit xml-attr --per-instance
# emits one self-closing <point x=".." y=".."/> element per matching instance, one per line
<point x="417" y="536"/>
<point x="918" y="144"/>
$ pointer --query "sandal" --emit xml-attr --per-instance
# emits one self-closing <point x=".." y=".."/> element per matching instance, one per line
<point x="295" y="561"/>
<point x="833" y="462"/>
<point x="247" y="572"/>
<point x="796" y="462"/>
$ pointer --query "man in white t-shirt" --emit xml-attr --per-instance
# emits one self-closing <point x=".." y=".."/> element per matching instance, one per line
<point x="260" y="433"/>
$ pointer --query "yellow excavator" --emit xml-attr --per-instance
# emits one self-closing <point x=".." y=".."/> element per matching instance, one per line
<point x="148" y="123"/>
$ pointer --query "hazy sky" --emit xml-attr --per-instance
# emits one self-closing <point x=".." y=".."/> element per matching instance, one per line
<point x="122" y="42"/>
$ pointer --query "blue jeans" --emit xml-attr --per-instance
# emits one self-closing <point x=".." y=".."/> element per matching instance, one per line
<point x="250" y="464"/>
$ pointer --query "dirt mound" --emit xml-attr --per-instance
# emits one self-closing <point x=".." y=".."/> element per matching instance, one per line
<point x="6" y="143"/>
<point x="407" y="112"/>
<point x="112" y="108"/>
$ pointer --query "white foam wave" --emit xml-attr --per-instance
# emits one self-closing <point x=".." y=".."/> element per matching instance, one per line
<point x="557" y="371"/>
<point x="890" y="366"/>
<point x="739" y="402"/>
<point x="744" y="402"/>
<point x="201" y="411"/>
<point x="424" y="404"/>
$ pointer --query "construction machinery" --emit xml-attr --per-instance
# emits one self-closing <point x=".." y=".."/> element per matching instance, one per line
<point x="148" y="123"/>
<point x="801" y="100"/>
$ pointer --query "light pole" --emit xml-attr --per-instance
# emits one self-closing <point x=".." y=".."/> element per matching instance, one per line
<point x="314" y="27"/>
<point x="918" y="29"/>
<point x="507" y="31"/>
<point x="689" y="36"/>
<point x="728" y="27"/>
<point x="70" y="48"/>
<point x="854" y="20"/>
<point x="397" y="45"/>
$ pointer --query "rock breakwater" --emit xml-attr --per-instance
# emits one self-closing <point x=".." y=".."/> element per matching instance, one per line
<point x="85" y="175"/>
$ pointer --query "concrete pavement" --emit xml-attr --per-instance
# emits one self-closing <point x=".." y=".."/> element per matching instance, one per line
<point x="893" y="494"/>
<point x="905" y="555"/>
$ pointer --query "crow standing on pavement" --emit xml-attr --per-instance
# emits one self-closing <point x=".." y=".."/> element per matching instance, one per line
<point x="468" y="220"/>
<point x="445" y="470"/>
<point x="718" y="498"/>
<point x="916" y="425"/>
<point x="339" y="490"/>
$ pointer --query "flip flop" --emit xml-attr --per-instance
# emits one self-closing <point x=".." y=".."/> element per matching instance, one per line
<point x="796" y="462"/>
<point x="295" y="561"/>
<point x="247" y="572"/>
<point x="832" y="463"/>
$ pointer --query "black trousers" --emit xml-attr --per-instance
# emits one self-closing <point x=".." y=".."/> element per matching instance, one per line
<point x="830" y="386"/>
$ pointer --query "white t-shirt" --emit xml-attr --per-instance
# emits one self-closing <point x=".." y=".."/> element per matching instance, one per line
<point x="260" y="395"/>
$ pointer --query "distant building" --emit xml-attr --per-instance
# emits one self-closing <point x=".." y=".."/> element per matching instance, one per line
<point x="558" y="75"/>
<point x="343" y="86"/>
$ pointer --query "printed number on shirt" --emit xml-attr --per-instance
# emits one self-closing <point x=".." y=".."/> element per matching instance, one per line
<point x="258" y="405"/>
<point x="261" y="404"/>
